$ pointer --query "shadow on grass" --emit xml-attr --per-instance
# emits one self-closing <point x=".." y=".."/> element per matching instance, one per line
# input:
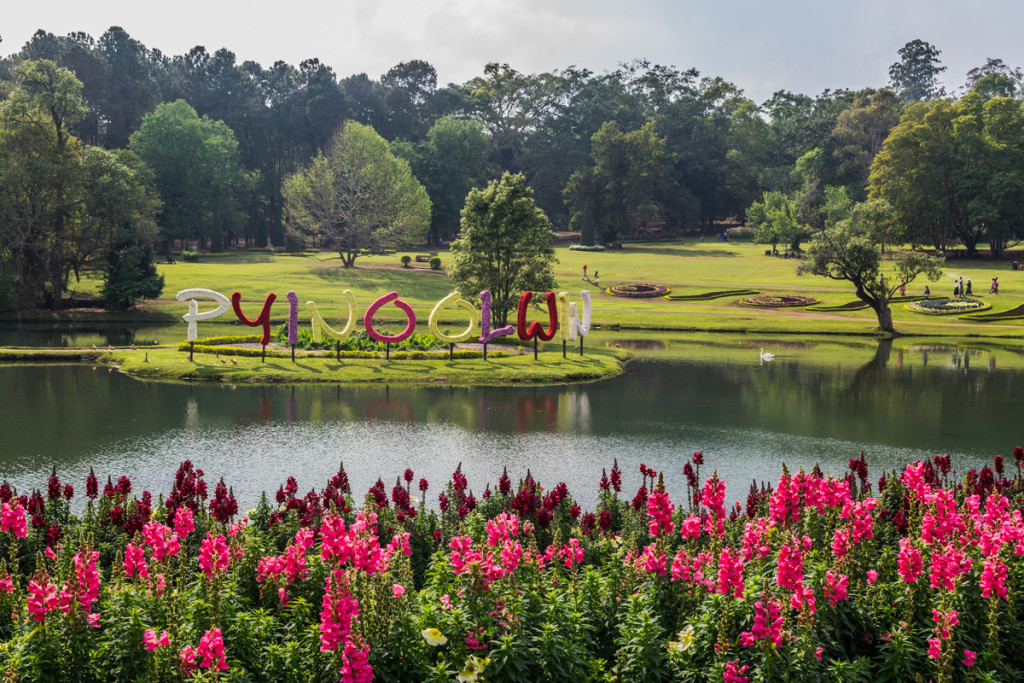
<point x="686" y="253"/>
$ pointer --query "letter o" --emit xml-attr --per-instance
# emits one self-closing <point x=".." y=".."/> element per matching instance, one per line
<point x="377" y="305"/>
<point x="456" y="299"/>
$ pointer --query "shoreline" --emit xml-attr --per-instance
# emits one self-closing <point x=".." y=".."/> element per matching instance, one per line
<point x="169" y="364"/>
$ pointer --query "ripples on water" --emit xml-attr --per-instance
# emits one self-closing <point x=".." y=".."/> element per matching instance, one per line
<point x="746" y="418"/>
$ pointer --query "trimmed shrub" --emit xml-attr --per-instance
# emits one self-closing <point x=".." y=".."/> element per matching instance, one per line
<point x="435" y="263"/>
<point x="406" y="260"/>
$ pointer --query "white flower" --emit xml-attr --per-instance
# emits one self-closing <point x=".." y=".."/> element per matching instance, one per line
<point x="474" y="667"/>
<point x="434" y="637"/>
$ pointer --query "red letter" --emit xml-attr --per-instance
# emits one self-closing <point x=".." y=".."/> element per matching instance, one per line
<point x="535" y="329"/>
<point x="262" y="319"/>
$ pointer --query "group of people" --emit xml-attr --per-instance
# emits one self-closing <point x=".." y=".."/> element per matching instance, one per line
<point x="960" y="290"/>
<point x="596" y="276"/>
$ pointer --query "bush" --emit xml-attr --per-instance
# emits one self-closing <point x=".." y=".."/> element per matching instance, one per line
<point x="190" y="256"/>
<point x="741" y="234"/>
<point x="406" y="260"/>
<point x="586" y="247"/>
<point x="435" y="263"/>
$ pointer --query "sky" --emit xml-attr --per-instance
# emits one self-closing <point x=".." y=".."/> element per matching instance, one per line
<point x="804" y="46"/>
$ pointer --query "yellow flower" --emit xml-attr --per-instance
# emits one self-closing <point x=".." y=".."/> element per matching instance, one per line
<point x="474" y="667"/>
<point x="434" y="637"/>
<point x="685" y="639"/>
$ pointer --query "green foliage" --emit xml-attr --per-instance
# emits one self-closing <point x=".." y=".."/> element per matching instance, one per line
<point x="505" y="247"/>
<point x="406" y="260"/>
<point x="131" y="275"/>
<point x="916" y="76"/>
<point x="360" y="341"/>
<point x="197" y="173"/>
<point x="449" y="162"/>
<point x="190" y="256"/>
<point x="617" y="196"/>
<point x="358" y="195"/>
<point x="435" y="263"/>
<point x="849" y="251"/>
<point x="776" y="219"/>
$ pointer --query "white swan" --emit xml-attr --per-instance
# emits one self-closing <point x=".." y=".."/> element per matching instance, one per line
<point x="766" y="356"/>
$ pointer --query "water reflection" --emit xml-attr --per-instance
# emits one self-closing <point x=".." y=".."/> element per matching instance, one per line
<point x="821" y="401"/>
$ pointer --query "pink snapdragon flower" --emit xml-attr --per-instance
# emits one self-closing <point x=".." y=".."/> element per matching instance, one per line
<point x="211" y="650"/>
<point x="836" y="587"/>
<point x="659" y="508"/>
<point x="135" y="561"/>
<point x="733" y="672"/>
<point x="993" y="578"/>
<point x="338" y="609"/>
<point x="909" y="561"/>
<point x="790" y="566"/>
<point x="183" y="521"/>
<point x="730" y="573"/>
<point x="85" y="589"/>
<point x="152" y="641"/>
<point x="652" y="561"/>
<point x="12" y="518"/>
<point x="502" y="528"/>
<point x="214" y="555"/>
<point x="42" y="597"/>
<point x="163" y="541"/>
<point x="767" y="624"/>
<point x="188" y="658"/>
<point x="691" y="526"/>
<point x="572" y="553"/>
<point x="355" y="666"/>
<point x="947" y="566"/>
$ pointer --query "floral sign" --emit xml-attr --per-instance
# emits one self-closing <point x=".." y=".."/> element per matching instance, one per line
<point x="563" y="317"/>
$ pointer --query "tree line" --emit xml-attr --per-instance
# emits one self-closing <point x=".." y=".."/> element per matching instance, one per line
<point x="216" y="152"/>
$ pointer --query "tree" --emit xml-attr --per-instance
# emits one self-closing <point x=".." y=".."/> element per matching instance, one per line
<point x="995" y="79"/>
<point x="65" y="207"/>
<point x="861" y="130"/>
<point x="916" y="174"/>
<point x="449" y="163"/>
<point x="505" y="246"/>
<point x="916" y="76"/>
<point x="356" y="196"/>
<point x="849" y="251"/>
<point x="122" y="208"/>
<point x="777" y="220"/>
<point x="196" y="170"/>
<point x="951" y="171"/>
<point x="617" y="195"/>
<point x="41" y="160"/>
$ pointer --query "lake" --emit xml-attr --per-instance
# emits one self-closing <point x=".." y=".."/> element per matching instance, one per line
<point x="820" y="401"/>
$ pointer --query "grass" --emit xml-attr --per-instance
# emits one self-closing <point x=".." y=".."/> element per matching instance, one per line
<point x="692" y="269"/>
<point x="550" y="368"/>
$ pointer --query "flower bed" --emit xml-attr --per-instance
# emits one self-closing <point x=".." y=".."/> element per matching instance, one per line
<point x="920" y="575"/>
<point x="947" y="306"/>
<point x="710" y="295"/>
<point x="638" y="290"/>
<point x="778" y="300"/>
<point x="1014" y="313"/>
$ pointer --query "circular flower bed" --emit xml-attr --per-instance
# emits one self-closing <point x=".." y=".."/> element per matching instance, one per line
<point x="778" y="300"/>
<point x="947" y="306"/>
<point x="638" y="290"/>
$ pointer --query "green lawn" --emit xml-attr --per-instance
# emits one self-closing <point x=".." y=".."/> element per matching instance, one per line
<point x="685" y="266"/>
